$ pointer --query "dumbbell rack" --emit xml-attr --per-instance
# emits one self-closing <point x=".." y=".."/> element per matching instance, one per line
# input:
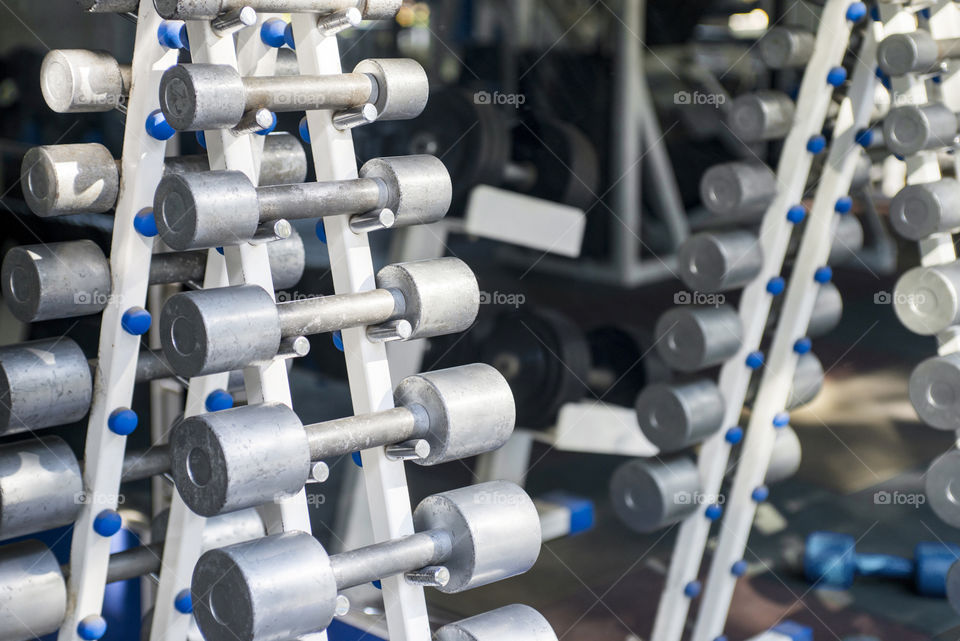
<point x="793" y="169"/>
<point x="789" y="341"/>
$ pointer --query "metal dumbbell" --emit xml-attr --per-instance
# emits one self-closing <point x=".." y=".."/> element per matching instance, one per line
<point x="761" y="115"/>
<point x="197" y="97"/>
<point x="738" y="190"/>
<point x="285" y="586"/>
<point x="60" y="180"/>
<point x="941" y="487"/>
<point x="214" y="208"/>
<point x="210" y="9"/>
<point x="786" y="47"/>
<point x="509" y="623"/>
<point x="250" y="455"/>
<point x="935" y="391"/>
<point x="64" y="280"/>
<point x="649" y="494"/>
<point x="82" y="81"/>
<point x="830" y="560"/>
<point x="785" y="457"/>
<point x="218" y="330"/>
<point x="918" y="211"/>
<point x="926" y="298"/>
<point x="691" y="338"/>
<point x="914" y="52"/>
<point x="911" y="129"/>
<point x="33" y="602"/>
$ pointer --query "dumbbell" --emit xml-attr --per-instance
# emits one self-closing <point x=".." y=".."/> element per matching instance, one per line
<point x="285" y="586"/>
<point x="210" y="9"/>
<point x="217" y="330"/>
<point x="912" y="128"/>
<point x="941" y="487"/>
<point x="935" y="391"/>
<point x="926" y="298"/>
<point x="786" y="47"/>
<point x="921" y="210"/>
<point x="738" y="190"/>
<point x="213" y="208"/>
<point x="914" y="52"/>
<point x="246" y="456"/>
<point x="197" y="97"/>
<point x="82" y="81"/>
<point x="761" y="115"/>
<point x="676" y="416"/>
<point x="690" y="338"/>
<point x="64" y="280"/>
<point x="830" y="560"/>
<point x="33" y="602"/>
<point x="509" y="623"/>
<point x="60" y="180"/>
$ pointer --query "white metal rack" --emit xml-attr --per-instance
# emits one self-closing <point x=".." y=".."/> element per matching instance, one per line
<point x="798" y="306"/>
<point x="813" y="101"/>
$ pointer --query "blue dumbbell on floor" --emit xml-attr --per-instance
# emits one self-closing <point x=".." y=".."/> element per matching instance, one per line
<point x="831" y="561"/>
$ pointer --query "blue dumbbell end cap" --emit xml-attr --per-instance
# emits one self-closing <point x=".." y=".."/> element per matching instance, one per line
<point x="146" y="223"/>
<point x="304" y="130"/>
<point x="377" y="584"/>
<point x="802" y="345"/>
<point x="823" y="275"/>
<point x="755" y="360"/>
<point x="288" y="37"/>
<point x="183" y="602"/>
<point x="796" y="214"/>
<point x="357" y="459"/>
<point x="172" y="34"/>
<point x="136" y="321"/>
<point x="202" y="139"/>
<point x="158" y="127"/>
<point x="734" y="435"/>
<point x="856" y="11"/>
<point x="843" y="205"/>
<point x="321" y="231"/>
<point x="776" y="285"/>
<point x="816" y="144"/>
<point x="582" y="512"/>
<point x="338" y="340"/>
<point x="739" y="568"/>
<point x="864" y="137"/>
<point x="760" y="494"/>
<point x="271" y="32"/>
<point x="218" y="400"/>
<point x="836" y="76"/>
<point x="692" y="589"/>
<point x="268" y="130"/>
<point x="122" y="421"/>
<point x="713" y="512"/>
<point x="107" y="523"/>
<point x="92" y="627"/>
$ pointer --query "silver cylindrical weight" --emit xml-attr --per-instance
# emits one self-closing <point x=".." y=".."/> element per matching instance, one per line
<point x="693" y="338"/>
<point x="943" y="479"/>
<point x="712" y="262"/>
<point x="81" y="81"/>
<point x="935" y="391"/>
<point x="33" y="599"/>
<point x="69" y="179"/>
<point x="786" y="47"/>
<point x="674" y="417"/>
<point x="926" y="299"/>
<point x="921" y="210"/>
<point x="910" y="129"/>
<point x="650" y="494"/>
<point x="509" y="623"/>
<point x="761" y="115"/>
<point x="738" y="190"/>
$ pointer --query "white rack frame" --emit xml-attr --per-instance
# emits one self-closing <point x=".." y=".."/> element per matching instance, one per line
<point x="775" y="231"/>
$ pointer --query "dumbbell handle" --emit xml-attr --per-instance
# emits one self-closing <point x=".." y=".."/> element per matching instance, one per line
<point x="308" y="93"/>
<point x="340" y="311"/>
<point x="146" y="464"/>
<point x="887" y="565"/>
<point x="210" y="10"/>
<point x="362" y="432"/>
<point x="381" y="560"/>
<point x="319" y="199"/>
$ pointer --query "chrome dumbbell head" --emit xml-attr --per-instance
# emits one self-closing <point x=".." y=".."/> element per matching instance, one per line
<point x="926" y="299"/>
<point x="210" y="9"/>
<point x="827" y="311"/>
<point x="40" y="486"/>
<point x="78" y="81"/>
<point x="903" y="53"/>
<point x="941" y="485"/>
<point x="673" y="417"/>
<point x="509" y="623"/>
<point x="785" y="458"/>
<point x="649" y="494"/>
<point x="910" y="129"/>
<point x="786" y="47"/>
<point x="440" y="296"/>
<point x="719" y="261"/>
<point x="692" y="338"/>
<point x="43" y="383"/>
<point x="935" y="391"/>
<point x="419" y="190"/>
<point x="33" y="601"/>
<point x="807" y="381"/>
<point x="738" y="190"/>
<point x="918" y="211"/>
<point x="847" y="241"/>
<point x="199" y="97"/>
<point x="761" y="115"/>
<point x="238" y="458"/>
<point x="285" y="586"/>
<point x="402" y="87"/>
<point x="69" y="179"/>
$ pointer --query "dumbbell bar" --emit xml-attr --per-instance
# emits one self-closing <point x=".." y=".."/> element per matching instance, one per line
<point x="202" y="97"/>
<point x="34" y="599"/>
<point x="914" y="52"/>
<point x="676" y="416"/>
<point x="69" y="279"/>
<point x="60" y="180"/>
<point x="217" y="330"/>
<point x="285" y="586"/>
<point x="214" y="208"/>
<point x="210" y="9"/>
<point x="246" y="456"/>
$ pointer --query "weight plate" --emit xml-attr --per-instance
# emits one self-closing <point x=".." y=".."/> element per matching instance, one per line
<point x="567" y="168"/>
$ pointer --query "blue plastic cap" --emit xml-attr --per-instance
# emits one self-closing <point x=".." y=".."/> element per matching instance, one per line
<point x="172" y="34"/>
<point x="734" y="435"/>
<point x="202" y="139"/>
<point x="856" y="11"/>
<point x="776" y="285"/>
<point x="321" y="232"/>
<point x="802" y="345"/>
<point x="739" y="568"/>
<point x="713" y="512"/>
<point x="781" y="419"/>
<point x="816" y="144"/>
<point x="183" y="602"/>
<point x="938" y="79"/>
<point x="755" y="360"/>
<point x="157" y="126"/>
<point x="864" y="137"/>
<point x="793" y="630"/>
<point x="875" y="13"/>
<point x="218" y="400"/>
<point x="829" y="559"/>
<point x="92" y="627"/>
<point x="377" y="584"/>
<point x="823" y="275"/>
<point x="925" y="13"/>
<point x="796" y="214"/>
<point x="136" y="321"/>
<point x="836" y="76"/>
<point x="271" y="32"/>
<point x="268" y="130"/>
<point x="843" y="205"/>
<point x="288" y="37"/>
<point x="692" y="589"/>
<point x="357" y="459"/>
<point x="338" y="340"/>
<point x="760" y="494"/>
<point x="146" y="223"/>
<point x="122" y="421"/>
<point x="220" y="250"/>
<point x="107" y="523"/>
<point x="581" y="509"/>
<point x="304" y="130"/>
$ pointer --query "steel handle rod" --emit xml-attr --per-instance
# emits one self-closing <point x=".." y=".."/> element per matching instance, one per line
<point x="210" y="9"/>
<point x="318" y="200"/>
<point x="341" y="311"/>
<point x="380" y="560"/>
<point x="307" y="93"/>
<point x="357" y="433"/>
